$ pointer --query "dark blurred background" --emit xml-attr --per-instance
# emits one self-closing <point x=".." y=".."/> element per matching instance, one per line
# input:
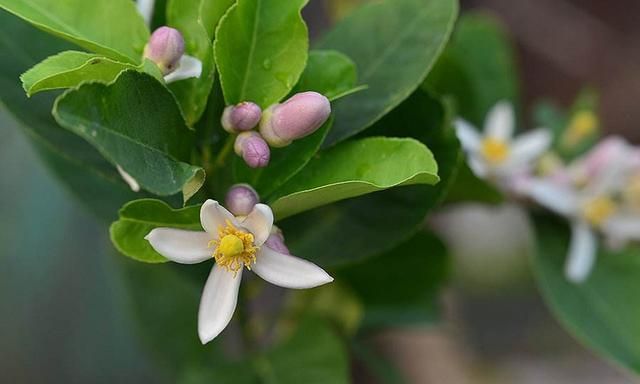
<point x="64" y="315"/>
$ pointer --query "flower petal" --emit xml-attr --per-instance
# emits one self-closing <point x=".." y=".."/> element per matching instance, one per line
<point x="478" y="166"/>
<point x="529" y="146"/>
<point x="259" y="222"/>
<point x="582" y="252"/>
<point x="624" y="227"/>
<point x="179" y="245"/>
<point x="469" y="137"/>
<point x="187" y="68"/>
<point x="288" y="271"/>
<point x="558" y="198"/>
<point x="145" y="7"/>
<point x="218" y="302"/>
<point x="213" y="216"/>
<point x="131" y="182"/>
<point x="500" y="122"/>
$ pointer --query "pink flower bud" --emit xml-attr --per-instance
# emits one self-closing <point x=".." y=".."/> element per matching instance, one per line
<point x="294" y="119"/>
<point x="275" y="241"/>
<point x="165" y="48"/>
<point x="253" y="149"/>
<point x="241" y="199"/>
<point x="242" y="117"/>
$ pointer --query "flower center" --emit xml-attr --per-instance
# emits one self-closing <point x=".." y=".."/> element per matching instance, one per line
<point x="598" y="210"/>
<point x="494" y="150"/>
<point x="234" y="248"/>
<point x="631" y="193"/>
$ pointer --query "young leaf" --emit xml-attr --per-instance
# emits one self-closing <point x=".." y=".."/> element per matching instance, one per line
<point x="70" y="68"/>
<point x="597" y="311"/>
<point x="139" y="217"/>
<point x="136" y="124"/>
<point x="261" y="50"/>
<point x="328" y="72"/>
<point x="109" y="27"/>
<point x="356" y="168"/>
<point x="394" y="43"/>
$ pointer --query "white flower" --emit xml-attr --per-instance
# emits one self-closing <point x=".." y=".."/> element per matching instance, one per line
<point x="496" y="154"/>
<point x="188" y="67"/>
<point x="234" y="243"/>
<point x="145" y="7"/>
<point x="596" y="193"/>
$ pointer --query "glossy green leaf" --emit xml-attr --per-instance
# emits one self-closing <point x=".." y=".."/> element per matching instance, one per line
<point x="284" y="163"/>
<point x="70" y="68"/>
<point x="394" y="43"/>
<point x="598" y="312"/>
<point x="401" y="286"/>
<point x="109" y="27"/>
<point x="89" y="176"/>
<point x="136" y="124"/>
<point x="328" y="72"/>
<point x="353" y="230"/>
<point x="478" y="68"/>
<point x="261" y="50"/>
<point x="211" y="11"/>
<point x="139" y="217"/>
<point x="192" y="94"/>
<point x="356" y="168"/>
<point x="313" y="355"/>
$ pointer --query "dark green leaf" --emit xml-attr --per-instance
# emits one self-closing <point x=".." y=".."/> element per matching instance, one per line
<point x="328" y="72"/>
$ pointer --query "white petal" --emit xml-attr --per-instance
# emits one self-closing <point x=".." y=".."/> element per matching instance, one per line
<point x="500" y="122"/>
<point x="623" y="226"/>
<point x="213" y="216"/>
<point x="478" y="166"/>
<point x="145" y="7"/>
<point x="133" y="184"/>
<point x="187" y="68"/>
<point x="288" y="271"/>
<point x="181" y="246"/>
<point x="259" y="222"/>
<point x="529" y="146"/>
<point x="582" y="252"/>
<point x="558" y="198"/>
<point x="218" y="302"/>
<point x="469" y="137"/>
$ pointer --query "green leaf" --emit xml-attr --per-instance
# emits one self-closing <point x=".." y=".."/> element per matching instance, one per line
<point x="478" y="68"/>
<point x="261" y="50"/>
<point x="401" y="286"/>
<point x="597" y="312"/>
<point x="313" y="355"/>
<point x="109" y="27"/>
<point x="89" y="176"/>
<point x="284" y="163"/>
<point x="356" y="229"/>
<point x="139" y="217"/>
<point x="136" y="124"/>
<point x="211" y="11"/>
<point x="192" y="94"/>
<point x="70" y="68"/>
<point x="328" y="72"/>
<point x="394" y="43"/>
<point x="356" y="168"/>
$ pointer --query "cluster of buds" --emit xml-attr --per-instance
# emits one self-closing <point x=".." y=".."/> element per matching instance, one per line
<point x="278" y="126"/>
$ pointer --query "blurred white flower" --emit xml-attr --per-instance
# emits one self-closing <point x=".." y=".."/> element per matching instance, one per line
<point x="496" y="154"/>
<point x="145" y="7"/>
<point x="597" y="192"/>
<point x="234" y="243"/>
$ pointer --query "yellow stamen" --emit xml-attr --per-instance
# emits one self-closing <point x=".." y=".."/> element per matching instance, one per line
<point x="495" y="151"/>
<point x="234" y="248"/>
<point x="583" y="124"/>
<point x="598" y="210"/>
<point x="631" y="193"/>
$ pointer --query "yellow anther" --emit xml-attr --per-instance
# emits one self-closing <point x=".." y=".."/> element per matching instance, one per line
<point x="582" y="125"/>
<point x="234" y="249"/>
<point x="495" y="151"/>
<point x="598" y="210"/>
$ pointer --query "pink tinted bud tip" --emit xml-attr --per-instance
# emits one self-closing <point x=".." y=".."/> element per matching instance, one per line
<point x="253" y="149"/>
<point x="275" y="241"/>
<point x="165" y="48"/>
<point x="241" y="117"/>
<point x="294" y="119"/>
<point x="241" y="199"/>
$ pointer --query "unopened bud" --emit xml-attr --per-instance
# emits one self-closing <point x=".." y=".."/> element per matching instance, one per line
<point x="242" y="117"/>
<point x="241" y="199"/>
<point x="253" y="149"/>
<point x="294" y="119"/>
<point x="275" y="241"/>
<point x="165" y="48"/>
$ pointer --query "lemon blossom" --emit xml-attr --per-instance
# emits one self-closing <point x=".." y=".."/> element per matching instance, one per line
<point x="234" y="243"/>
<point x="495" y="154"/>
<point x="590" y="193"/>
